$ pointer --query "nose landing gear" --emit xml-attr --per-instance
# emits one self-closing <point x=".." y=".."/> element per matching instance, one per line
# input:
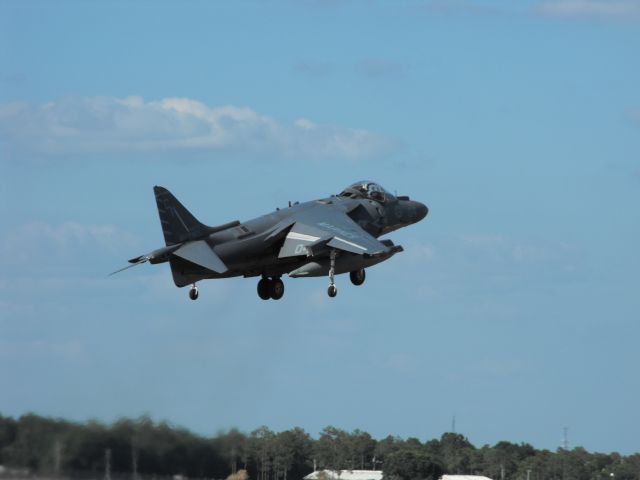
<point x="193" y="293"/>
<point x="332" y="291"/>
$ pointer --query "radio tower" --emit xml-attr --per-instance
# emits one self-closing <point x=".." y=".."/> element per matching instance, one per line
<point x="565" y="438"/>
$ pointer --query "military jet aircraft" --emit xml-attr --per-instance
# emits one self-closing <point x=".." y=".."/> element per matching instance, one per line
<point x="324" y="237"/>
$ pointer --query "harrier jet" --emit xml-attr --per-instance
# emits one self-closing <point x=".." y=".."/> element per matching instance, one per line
<point x="324" y="237"/>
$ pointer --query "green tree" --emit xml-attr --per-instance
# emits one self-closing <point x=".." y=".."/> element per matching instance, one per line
<point x="410" y="464"/>
<point x="261" y="450"/>
<point x="361" y="449"/>
<point x="331" y="450"/>
<point x="456" y="452"/>
<point x="384" y="448"/>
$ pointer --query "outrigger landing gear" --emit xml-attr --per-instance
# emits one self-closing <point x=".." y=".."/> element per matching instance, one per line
<point x="357" y="276"/>
<point x="332" y="291"/>
<point x="193" y="293"/>
<point x="270" y="288"/>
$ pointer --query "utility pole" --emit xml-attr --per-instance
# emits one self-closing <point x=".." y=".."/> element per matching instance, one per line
<point x="57" y="455"/>
<point x="528" y="474"/>
<point x="134" y="461"/>
<point x="107" y="464"/>
<point x="501" y="472"/>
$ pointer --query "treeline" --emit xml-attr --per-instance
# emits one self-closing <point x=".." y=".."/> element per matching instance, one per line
<point x="133" y="448"/>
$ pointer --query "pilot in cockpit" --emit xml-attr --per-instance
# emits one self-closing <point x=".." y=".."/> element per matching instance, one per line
<point x="366" y="189"/>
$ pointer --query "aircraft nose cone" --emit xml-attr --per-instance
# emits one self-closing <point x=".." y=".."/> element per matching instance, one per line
<point x="421" y="211"/>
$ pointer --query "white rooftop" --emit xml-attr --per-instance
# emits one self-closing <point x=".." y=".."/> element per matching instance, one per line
<point x="346" y="475"/>
<point x="464" y="477"/>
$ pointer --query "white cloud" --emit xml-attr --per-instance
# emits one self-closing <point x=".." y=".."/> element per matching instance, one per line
<point x="602" y="9"/>
<point x="70" y="126"/>
<point x="39" y="241"/>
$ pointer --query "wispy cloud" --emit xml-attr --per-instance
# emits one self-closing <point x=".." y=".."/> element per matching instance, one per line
<point x="466" y="7"/>
<point x="68" y="350"/>
<point x="71" y="126"/>
<point x="561" y="9"/>
<point x="478" y="263"/>
<point x="13" y="79"/>
<point x="313" y="68"/>
<point x="379" y="67"/>
<point x="596" y="9"/>
<point x="36" y="241"/>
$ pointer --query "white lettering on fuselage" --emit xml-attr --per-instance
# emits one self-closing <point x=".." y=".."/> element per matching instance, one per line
<point x="339" y="230"/>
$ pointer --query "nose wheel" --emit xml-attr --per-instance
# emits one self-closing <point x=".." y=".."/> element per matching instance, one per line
<point x="332" y="291"/>
<point x="193" y="293"/>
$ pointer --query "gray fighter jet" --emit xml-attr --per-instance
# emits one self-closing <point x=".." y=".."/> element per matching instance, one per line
<point x="323" y="237"/>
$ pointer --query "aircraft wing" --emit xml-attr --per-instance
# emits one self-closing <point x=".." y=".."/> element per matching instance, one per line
<point x="316" y="230"/>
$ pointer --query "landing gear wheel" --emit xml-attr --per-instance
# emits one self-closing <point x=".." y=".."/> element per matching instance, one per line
<point x="277" y="289"/>
<point x="264" y="289"/>
<point x="357" y="276"/>
<point x="193" y="293"/>
<point x="332" y="291"/>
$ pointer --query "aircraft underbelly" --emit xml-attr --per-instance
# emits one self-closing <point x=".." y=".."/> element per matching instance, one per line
<point x="344" y="264"/>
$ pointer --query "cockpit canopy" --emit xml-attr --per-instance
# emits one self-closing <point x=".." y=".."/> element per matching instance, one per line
<point x="366" y="189"/>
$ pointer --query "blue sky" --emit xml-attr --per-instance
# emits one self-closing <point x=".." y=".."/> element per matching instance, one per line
<point x="514" y="306"/>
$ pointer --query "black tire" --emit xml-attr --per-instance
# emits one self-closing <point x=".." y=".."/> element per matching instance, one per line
<point x="193" y="294"/>
<point x="332" y="291"/>
<point x="357" y="276"/>
<point x="277" y="289"/>
<point x="264" y="289"/>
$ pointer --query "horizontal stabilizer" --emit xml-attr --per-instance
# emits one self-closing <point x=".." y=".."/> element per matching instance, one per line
<point x="200" y="253"/>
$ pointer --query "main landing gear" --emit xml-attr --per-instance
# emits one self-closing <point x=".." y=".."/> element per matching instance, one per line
<point x="193" y="293"/>
<point x="270" y="288"/>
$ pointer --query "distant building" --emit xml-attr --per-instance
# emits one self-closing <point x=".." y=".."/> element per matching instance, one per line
<point x="373" y="475"/>
<point x="463" y="477"/>
<point x="345" y="475"/>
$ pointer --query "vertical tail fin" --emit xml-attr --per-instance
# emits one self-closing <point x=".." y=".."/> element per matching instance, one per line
<point x="178" y="224"/>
